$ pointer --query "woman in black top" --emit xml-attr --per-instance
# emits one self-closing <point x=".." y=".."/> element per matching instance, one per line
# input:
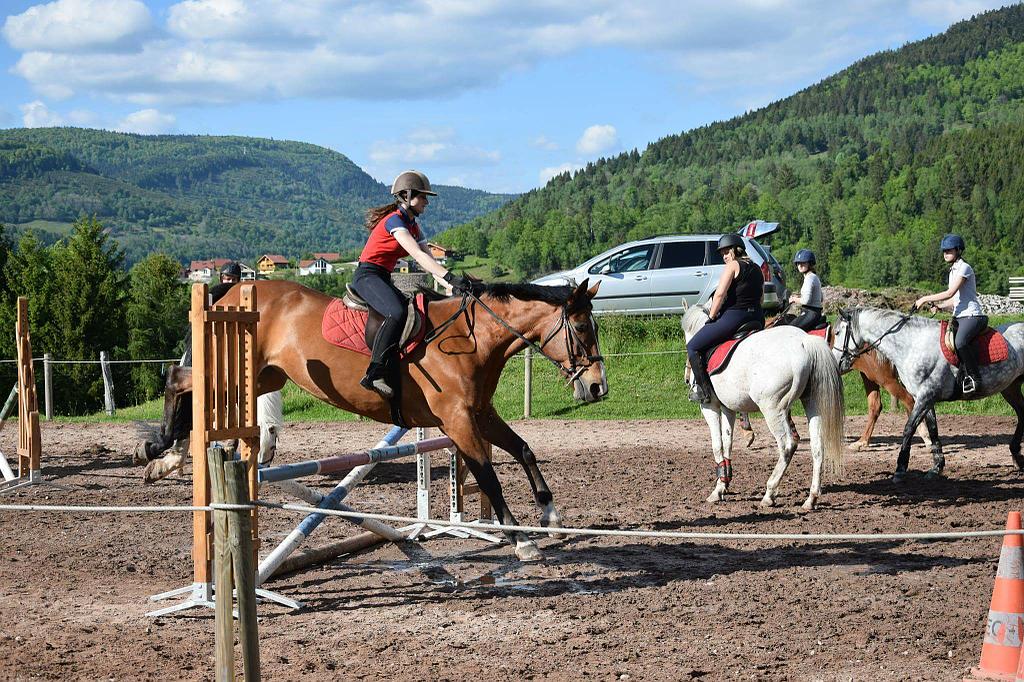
<point x="737" y="300"/>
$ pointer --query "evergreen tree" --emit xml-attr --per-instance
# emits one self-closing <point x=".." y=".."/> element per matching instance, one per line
<point x="157" y="317"/>
<point x="89" y="313"/>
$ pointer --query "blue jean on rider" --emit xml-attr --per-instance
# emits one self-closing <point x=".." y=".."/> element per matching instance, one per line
<point x="721" y="329"/>
<point x="808" y="319"/>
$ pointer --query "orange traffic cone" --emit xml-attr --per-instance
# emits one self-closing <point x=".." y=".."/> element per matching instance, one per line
<point x="1001" y="648"/>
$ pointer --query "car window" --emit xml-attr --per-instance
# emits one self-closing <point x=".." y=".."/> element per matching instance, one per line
<point x="682" y="255"/>
<point x="714" y="258"/>
<point x="628" y="260"/>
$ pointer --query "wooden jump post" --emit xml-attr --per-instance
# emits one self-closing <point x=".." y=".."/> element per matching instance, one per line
<point x="24" y="392"/>
<point x="223" y="408"/>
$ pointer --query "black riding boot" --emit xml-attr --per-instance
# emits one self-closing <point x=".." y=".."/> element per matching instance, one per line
<point x="968" y="368"/>
<point x="702" y="390"/>
<point x="383" y="361"/>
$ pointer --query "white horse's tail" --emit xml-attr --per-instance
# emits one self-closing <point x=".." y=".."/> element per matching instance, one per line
<point x="826" y="390"/>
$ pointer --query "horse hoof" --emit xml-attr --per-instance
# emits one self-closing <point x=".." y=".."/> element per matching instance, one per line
<point x="766" y="502"/>
<point x="1018" y="460"/>
<point x="151" y="474"/>
<point x="899" y="477"/>
<point x="810" y="504"/>
<point x="550" y="518"/>
<point x="139" y="455"/>
<point x="857" y="446"/>
<point x="933" y="474"/>
<point x="528" y="552"/>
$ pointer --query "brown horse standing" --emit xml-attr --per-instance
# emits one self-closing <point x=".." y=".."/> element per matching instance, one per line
<point x="876" y="371"/>
<point x="448" y="384"/>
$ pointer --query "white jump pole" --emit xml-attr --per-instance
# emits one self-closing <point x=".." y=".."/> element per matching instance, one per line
<point x="270" y="564"/>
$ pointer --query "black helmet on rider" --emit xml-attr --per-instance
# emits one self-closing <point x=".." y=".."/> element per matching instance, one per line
<point x="953" y="241"/>
<point x="729" y="241"/>
<point x="231" y="270"/>
<point x="804" y="256"/>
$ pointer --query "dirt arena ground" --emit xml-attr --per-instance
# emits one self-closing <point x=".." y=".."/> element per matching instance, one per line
<point x="74" y="587"/>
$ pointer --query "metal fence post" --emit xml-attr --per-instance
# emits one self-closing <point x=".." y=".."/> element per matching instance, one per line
<point x="108" y="383"/>
<point x="528" y="383"/>
<point x="48" y="386"/>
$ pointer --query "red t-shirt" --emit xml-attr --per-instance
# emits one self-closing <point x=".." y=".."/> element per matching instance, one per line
<point x="382" y="248"/>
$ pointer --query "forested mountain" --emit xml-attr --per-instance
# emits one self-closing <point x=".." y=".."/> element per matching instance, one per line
<point x="868" y="167"/>
<point x="200" y="196"/>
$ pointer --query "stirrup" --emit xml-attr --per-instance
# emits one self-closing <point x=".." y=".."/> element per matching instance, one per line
<point x="378" y="385"/>
<point x="968" y="385"/>
<point x="698" y="395"/>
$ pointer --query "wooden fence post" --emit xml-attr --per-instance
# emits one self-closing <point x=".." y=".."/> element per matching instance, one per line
<point x="224" y="634"/>
<point x="243" y="556"/>
<point x="108" y="383"/>
<point x="48" y="386"/>
<point x="528" y="383"/>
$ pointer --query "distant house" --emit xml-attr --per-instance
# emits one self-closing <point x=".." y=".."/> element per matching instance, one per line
<point x="440" y="253"/>
<point x="315" y="266"/>
<point x="270" y="262"/>
<point x="329" y="256"/>
<point x="248" y="274"/>
<point x="406" y="266"/>
<point x="206" y="270"/>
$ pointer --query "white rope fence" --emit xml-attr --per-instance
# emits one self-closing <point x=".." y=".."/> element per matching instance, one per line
<point x="667" y="534"/>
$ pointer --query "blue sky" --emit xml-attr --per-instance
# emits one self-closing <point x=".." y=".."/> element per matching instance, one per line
<point x="491" y="94"/>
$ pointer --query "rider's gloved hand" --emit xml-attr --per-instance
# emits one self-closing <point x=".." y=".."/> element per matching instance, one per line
<point x="460" y="284"/>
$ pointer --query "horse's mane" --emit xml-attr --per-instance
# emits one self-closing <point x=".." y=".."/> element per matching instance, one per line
<point x="503" y="291"/>
<point x="888" y="313"/>
<point x="689" y="320"/>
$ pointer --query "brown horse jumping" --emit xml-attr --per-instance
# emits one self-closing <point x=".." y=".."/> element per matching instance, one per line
<point x="448" y="383"/>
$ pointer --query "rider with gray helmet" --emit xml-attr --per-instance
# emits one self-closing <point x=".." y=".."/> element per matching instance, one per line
<point x="395" y="233"/>
<point x="810" y="298"/>
<point x="230" y="275"/>
<point x="962" y="298"/>
<point x="737" y="301"/>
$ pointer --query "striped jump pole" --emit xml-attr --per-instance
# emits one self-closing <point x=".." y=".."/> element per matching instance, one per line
<point x="340" y="463"/>
<point x="359" y="464"/>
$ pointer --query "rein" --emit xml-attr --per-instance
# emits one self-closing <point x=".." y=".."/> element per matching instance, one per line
<point x="854" y="354"/>
<point x="573" y="342"/>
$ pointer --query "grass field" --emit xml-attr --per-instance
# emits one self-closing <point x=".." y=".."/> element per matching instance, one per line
<point x="644" y="358"/>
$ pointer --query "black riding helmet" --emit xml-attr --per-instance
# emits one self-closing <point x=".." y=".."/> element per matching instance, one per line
<point x="728" y="241"/>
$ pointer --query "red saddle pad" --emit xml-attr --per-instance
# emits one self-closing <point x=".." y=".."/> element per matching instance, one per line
<point x="990" y="346"/>
<point x="346" y="328"/>
<point x="720" y="356"/>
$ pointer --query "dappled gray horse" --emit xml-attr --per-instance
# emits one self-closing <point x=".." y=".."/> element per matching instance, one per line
<point x="911" y="344"/>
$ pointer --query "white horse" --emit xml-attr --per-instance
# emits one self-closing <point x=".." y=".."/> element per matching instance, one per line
<point x="768" y="372"/>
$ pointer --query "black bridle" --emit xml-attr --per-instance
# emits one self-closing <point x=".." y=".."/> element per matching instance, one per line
<point x="848" y="355"/>
<point x="575" y="348"/>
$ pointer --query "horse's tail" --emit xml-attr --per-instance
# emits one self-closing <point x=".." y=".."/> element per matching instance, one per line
<point x="826" y="390"/>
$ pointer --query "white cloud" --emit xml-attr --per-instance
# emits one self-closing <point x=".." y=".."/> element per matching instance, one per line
<point x="551" y="171"/>
<point x="217" y="51"/>
<point x="598" y="139"/>
<point x="74" y="25"/>
<point x="436" y="147"/>
<point x="543" y="142"/>
<point x="147" y="122"/>
<point x="37" y="115"/>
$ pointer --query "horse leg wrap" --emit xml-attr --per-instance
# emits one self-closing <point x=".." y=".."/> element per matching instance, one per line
<point x="724" y="471"/>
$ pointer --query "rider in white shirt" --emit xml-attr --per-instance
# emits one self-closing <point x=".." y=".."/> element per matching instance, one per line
<point x="810" y="298"/>
<point x="962" y="298"/>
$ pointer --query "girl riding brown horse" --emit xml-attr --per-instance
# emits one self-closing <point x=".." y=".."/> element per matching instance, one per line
<point x="447" y="383"/>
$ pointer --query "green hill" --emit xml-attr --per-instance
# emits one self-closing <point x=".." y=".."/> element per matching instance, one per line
<point x="200" y="196"/>
<point x="868" y="167"/>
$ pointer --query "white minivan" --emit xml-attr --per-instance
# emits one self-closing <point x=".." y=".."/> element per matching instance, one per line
<point x="654" y="276"/>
